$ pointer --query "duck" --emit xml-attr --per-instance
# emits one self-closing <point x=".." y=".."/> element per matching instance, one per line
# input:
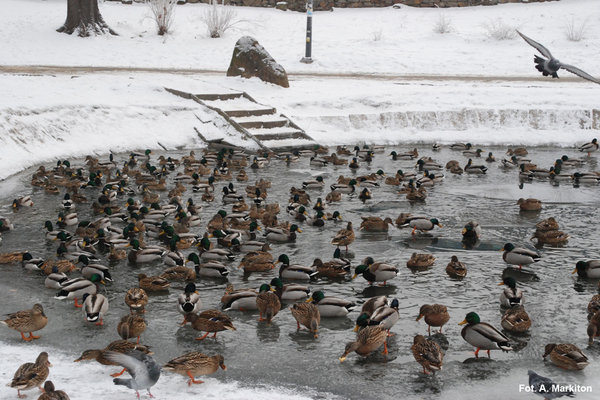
<point x="210" y="269"/>
<point x="6" y="225"/>
<point x="290" y="292"/>
<point x="195" y="363"/>
<point x="483" y="335"/>
<point x="268" y="303"/>
<point x="373" y="304"/>
<point x="593" y="329"/>
<point x="460" y="146"/>
<point x="137" y="255"/>
<point x="385" y="316"/>
<point x="31" y="375"/>
<point x="76" y="288"/>
<point x="344" y="188"/>
<point x="344" y="237"/>
<point x="472" y="153"/>
<point x="316" y="184"/>
<point x="179" y="273"/>
<point x="427" y="353"/>
<point x="435" y="315"/>
<point x="131" y="326"/>
<point x="590" y="147"/>
<point x="189" y="301"/>
<point x="511" y="295"/>
<point x="119" y="346"/>
<point x="490" y="157"/>
<point x="474" y="169"/>
<point x="566" y="355"/>
<point x="375" y="224"/>
<point x="588" y="269"/>
<point x="56" y="279"/>
<point x="31" y="320"/>
<point x="331" y="307"/>
<point x="69" y="219"/>
<point x="95" y="306"/>
<point x="516" y="320"/>
<point x="257" y="261"/>
<point x="367" y="341"/>
<point x="519" y="256"/>
<point x="294" y="271"/>
<point x="410" y="155"/>
<point x="529" y="204"/>
<point x="456" y="269"/>
<point x="90" y="269"/>
<point x="282" y="235"/>
<point x="375" y="272"/>
<point x="25" y="201"/>
<point x="240" y="299"/>
<point x="427" y="164"/>
<point x="153" y="283"/>
<point x="331" y="269"/>
<point x="210" y="321"/>
<point x="471" y="232"/>
<point x="136" y="299"/>
<point x="50" y="393"/>
<point x="307" y="314"/>
<point x="423" y="224"/>
<point x="420" y="260"/>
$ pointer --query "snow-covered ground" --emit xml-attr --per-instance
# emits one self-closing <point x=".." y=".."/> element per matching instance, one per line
<point x="58" y="114"/>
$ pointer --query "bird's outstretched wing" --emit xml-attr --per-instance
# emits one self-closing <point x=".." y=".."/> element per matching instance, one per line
<point x="131" y="361"/>
<point x="544" y="51"/>
<point x="580" y="73"/>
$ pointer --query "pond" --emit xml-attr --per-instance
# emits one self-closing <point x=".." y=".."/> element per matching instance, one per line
<point x="290" y="363"/>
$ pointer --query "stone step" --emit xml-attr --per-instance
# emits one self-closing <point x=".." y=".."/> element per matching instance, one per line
<point x="264" y="124"/>
<point x="215" y="96"/>
<point x="279" y="135"/>
<point x="289" y="144"/>
<point x="247" y="113"/>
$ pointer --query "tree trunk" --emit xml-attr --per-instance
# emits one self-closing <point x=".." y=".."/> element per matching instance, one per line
<point x="84" y="16"/>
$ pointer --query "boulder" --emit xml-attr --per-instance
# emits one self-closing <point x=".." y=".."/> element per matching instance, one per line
<point x="251" y="59"/>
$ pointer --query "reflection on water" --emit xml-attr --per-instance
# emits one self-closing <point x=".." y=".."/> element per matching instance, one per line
<point x="555" y="300"/>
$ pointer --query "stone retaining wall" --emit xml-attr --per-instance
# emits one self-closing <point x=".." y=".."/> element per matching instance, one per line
<point x="320" y="5"/>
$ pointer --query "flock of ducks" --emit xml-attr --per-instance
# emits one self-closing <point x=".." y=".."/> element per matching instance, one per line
<point x="158" y="227"/>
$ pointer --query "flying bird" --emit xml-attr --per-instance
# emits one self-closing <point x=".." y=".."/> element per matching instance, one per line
<point x="550" y="65"/>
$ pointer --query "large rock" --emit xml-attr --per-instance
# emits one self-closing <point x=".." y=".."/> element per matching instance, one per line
<point x="251" y="59"/>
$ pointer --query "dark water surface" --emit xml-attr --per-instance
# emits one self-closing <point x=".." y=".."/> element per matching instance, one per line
<point x="278" y="355"/>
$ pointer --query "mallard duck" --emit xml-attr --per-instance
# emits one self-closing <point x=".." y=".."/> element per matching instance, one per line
<point x="518" y="151"/>
<point x="55" y="280"/>
<point x="331" y="269"/>
<point x="566" y="356"/>
<point x="344" y="188"/>
<point x="257" y="261"/>
<point x="428" y="164"/>
<point x="510" y="296"/>
<point x="290" y="292"/>
<point x="69" y="219"/>
<point x="6" y="225"/>
<point x="373" y="304"/>
<point x="588" y="269"/>
<point x="22" y="202"/>
<point x="195" y="363"/>
<point x="137" y="255"/>
<point x="420" y="260"/>
<point x="519" y="256"/>
<point x="435" y="315"/>
<point x="516" y="320"/>
<point x="294" y="271"/>
<point x="189" y="300"/>
<point x="50" y="393"/>
<point x="367" y="341"/>
<point x="153" y="283"/>
<point x="241" y="299"/>
<point x="210" y="269"/>
<point x="316" y="184"/>
<point x="308" y="315"/>
<point x="456" y="269"/>
<point x="375" y="224"/>
<point x="331" y="307"/>
<point x="427" y="353"/>
<point x="344" y="237"/>
<point x="210" y="321"/>
<point x="490" y="157"/>
<point x="94" y="307"/>
<point x="529" y="204"/>
<point x="27" y="321"/>
<point x="474" y="169"/>
<point x="471" y="232"/>
<point x="179" y="273"/>
<point x="76" y="288"/>
<point x="483" y="335"/>
<point x="131" y="326"/>
<point x="593" y="329"/>
<point x="90" y="269"/>
<point x="136" y="299"/>
<point x="282" y="235"/>
<point x="51" y="266"/>
<point x="472" y="153"/>
<point x="460" y="146"/>
<point x="119" y="346"/>
<point x="589" y="147"/>
<point x="385" y="316"/>
<point x="30" y="375"/>
<point x="268" y="303"/>
<point x="375" y="272"/>
<point x="423" y="224"/>
<point x="409" y="155"/>
<point x="13" y="257"/>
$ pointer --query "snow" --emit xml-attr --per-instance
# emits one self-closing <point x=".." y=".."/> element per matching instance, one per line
<point x="380" y="75"/>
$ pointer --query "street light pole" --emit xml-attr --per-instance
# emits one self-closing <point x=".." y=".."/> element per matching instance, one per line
<point x="309" y="9"/>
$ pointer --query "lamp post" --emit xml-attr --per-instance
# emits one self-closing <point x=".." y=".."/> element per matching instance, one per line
<point x="307" y="56"/>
